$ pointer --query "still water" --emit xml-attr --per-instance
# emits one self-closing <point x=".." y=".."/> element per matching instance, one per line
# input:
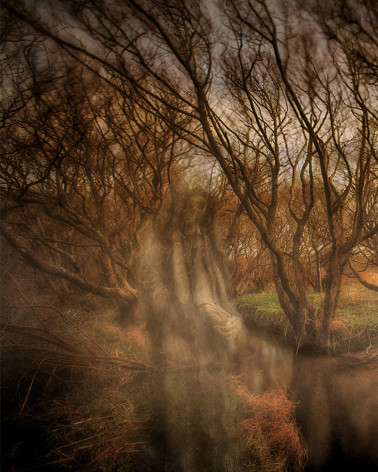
<point x="337" y="399"/>
<point x="194" y="414"/>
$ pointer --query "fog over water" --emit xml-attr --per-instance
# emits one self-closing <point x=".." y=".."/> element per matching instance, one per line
<point x="198" y="332"/>
<point x="194" y="327"/>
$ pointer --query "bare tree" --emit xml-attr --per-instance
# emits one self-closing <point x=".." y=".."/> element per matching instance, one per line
<point x="286" y="117"/>
<point x="326" y="98"/>
<point x="81" y="171"/>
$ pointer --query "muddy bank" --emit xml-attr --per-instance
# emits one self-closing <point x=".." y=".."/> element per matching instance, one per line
<point x="343" y="339"/>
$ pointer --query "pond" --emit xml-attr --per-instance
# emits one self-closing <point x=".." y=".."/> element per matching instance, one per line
<point x="194" y="413"/>
<point x="337" y="399"/>
<point x="194" y="406"/>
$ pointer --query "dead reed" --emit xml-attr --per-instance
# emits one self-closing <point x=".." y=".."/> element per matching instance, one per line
<point x="75" y="380"/>
<point x="269" y="437"/>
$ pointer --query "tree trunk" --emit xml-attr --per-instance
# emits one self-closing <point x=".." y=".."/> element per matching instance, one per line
<point x="318" y="285"/>
<point x="127" y="311"/>
<point x="125" y="297"/>
<point x="327" y="311"/>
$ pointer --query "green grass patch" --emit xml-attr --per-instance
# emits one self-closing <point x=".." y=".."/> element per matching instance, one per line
<point x="357" y="309"/>
<point x="265" y="301"/>
<point x="263" y="311"/>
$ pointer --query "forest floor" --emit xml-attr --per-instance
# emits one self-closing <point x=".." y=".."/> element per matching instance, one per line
<point x="355" y="327"/>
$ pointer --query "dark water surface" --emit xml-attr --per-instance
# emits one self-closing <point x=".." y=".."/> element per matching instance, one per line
<point x="194" y="412"/>
<point x="337" y="399"/>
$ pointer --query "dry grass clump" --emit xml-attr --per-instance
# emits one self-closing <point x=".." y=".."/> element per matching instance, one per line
<point x="269" y="436"/>
<point x="96" y="430"/>
<point x="339" y="330"/>
<point x="72" y="379"/>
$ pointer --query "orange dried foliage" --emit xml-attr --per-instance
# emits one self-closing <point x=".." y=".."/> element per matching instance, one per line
<point x="269" y="435"/>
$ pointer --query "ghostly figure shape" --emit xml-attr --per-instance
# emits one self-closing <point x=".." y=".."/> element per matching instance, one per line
<point x="183" y="279"/>
<point x="194" y="216"/>
<point x="190" y="321"/>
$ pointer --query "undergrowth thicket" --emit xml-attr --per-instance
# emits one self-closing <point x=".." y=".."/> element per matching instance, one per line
<point x="70" y="400"/>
